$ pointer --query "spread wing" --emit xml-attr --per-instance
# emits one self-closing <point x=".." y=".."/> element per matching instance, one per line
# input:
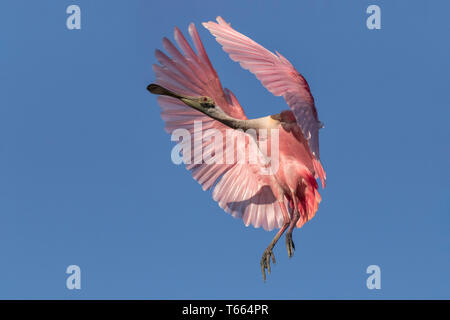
<point x="238" y="187"/>
<point x="278" y="75"/>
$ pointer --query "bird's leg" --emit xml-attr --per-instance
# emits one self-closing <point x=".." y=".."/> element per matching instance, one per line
<point x="265" y="260"/>
<point x="295" y="216"/>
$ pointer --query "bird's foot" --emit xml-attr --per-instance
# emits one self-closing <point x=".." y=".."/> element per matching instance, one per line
<point x="290" y="244"/>
<point x="265" y="261"/>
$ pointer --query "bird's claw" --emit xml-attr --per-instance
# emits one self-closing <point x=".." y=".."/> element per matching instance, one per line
<point x="265" y="262"/>
<point x="290" y="245"/>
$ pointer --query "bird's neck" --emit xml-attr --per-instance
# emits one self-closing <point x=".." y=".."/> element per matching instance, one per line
<point x="267" y="122"/>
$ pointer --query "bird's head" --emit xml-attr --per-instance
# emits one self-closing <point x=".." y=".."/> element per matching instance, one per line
<point x="203" y="104"/>
<point x="200" y="103"/>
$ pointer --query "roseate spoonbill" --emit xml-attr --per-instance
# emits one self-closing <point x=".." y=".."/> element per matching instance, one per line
<point x="189" y="90"/>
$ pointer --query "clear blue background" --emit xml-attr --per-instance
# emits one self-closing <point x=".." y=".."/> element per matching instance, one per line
<point x="86" y="176"/>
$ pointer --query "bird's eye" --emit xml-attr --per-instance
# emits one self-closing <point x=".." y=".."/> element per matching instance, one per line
<point x="206" y="102"/>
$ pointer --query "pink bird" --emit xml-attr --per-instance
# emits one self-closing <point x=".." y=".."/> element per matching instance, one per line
<point x="190" y="91"/>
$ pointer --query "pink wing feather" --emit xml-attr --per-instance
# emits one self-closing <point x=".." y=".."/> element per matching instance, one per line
<point x="278" y="75"/>
<point x="239" y="188"/>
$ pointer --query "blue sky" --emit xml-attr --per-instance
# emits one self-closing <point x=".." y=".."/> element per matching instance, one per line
<point x="86" y="176"/>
